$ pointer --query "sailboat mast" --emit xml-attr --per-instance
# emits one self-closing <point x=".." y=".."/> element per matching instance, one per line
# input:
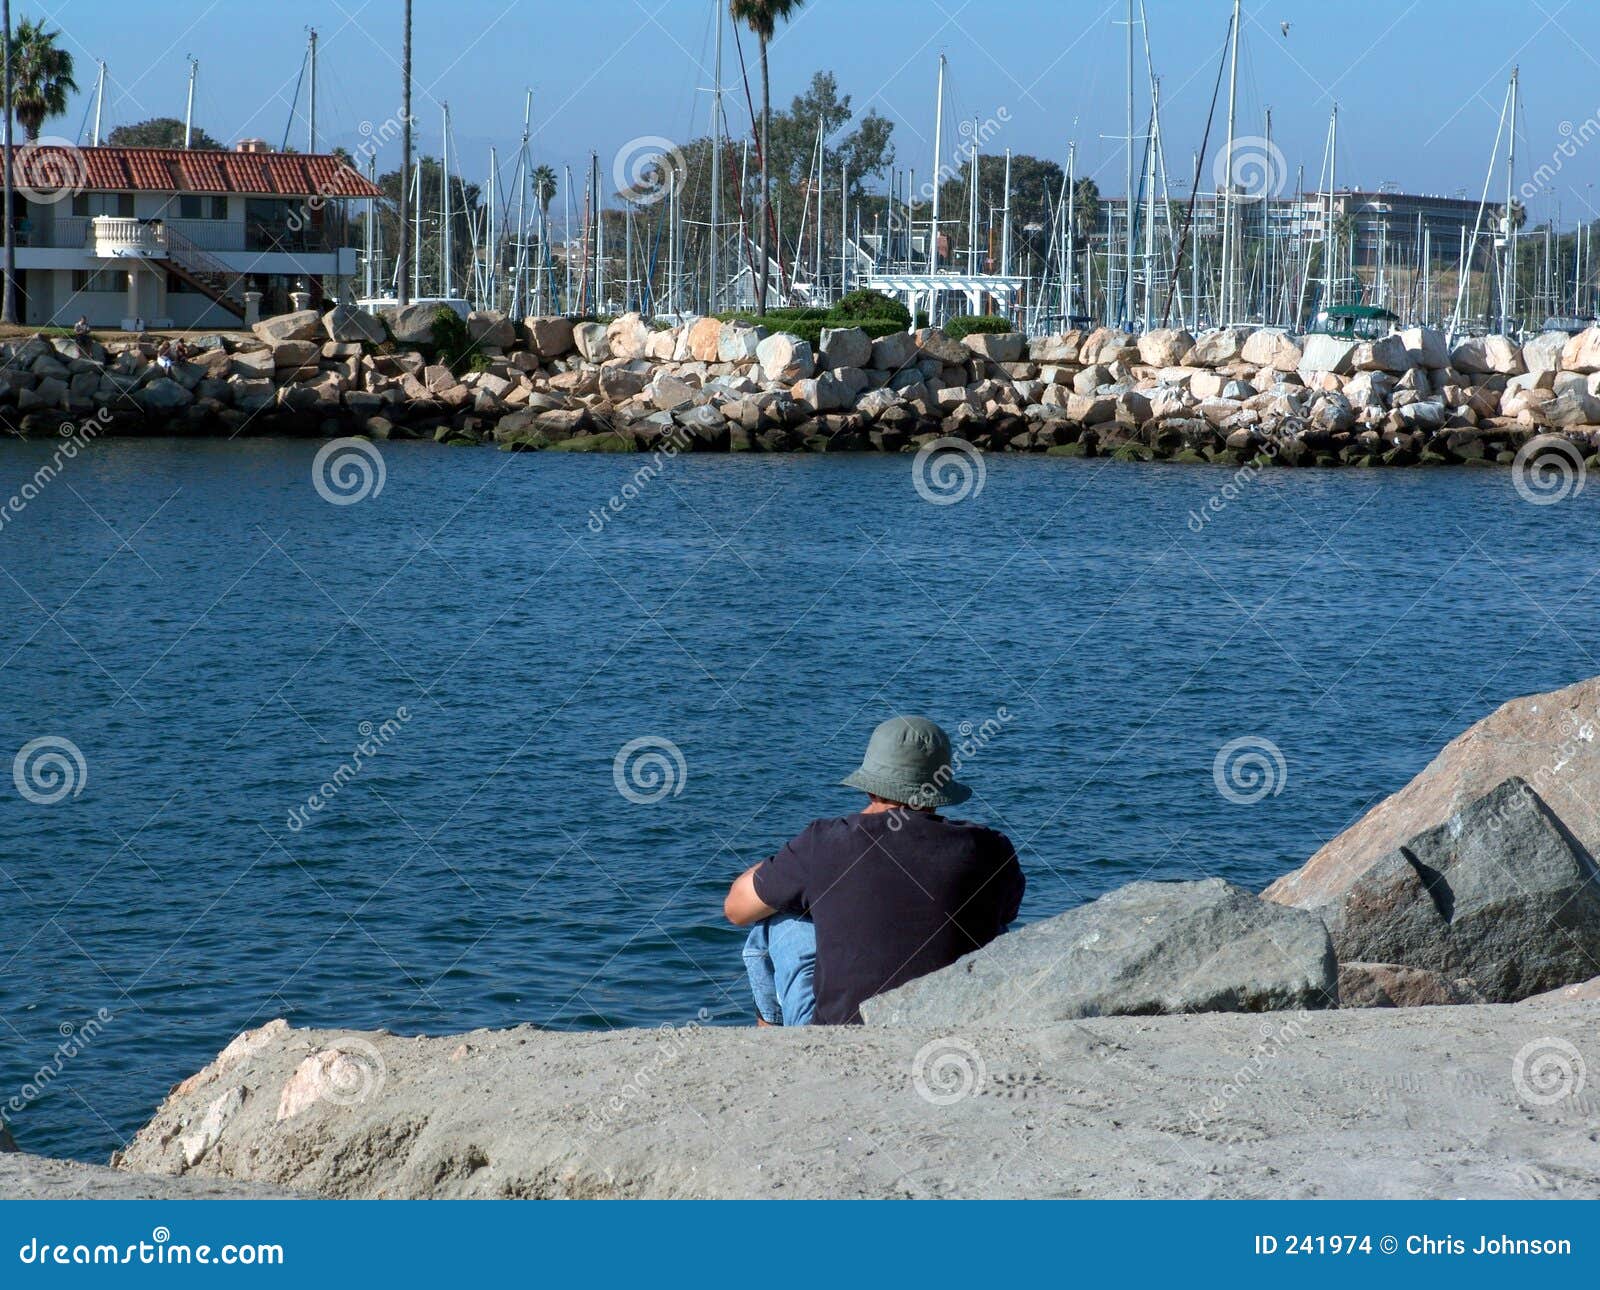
<point x="938" y="162"/>
<point x="1228" y="248"/>
<point x="1127" y="199"/>
<point x="1508" y="291"/>
<point x="444" y="209"/>
<point x="716" y="172"/>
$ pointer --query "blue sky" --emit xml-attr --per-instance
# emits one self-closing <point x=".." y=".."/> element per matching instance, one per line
<point x="1419" y="83"/>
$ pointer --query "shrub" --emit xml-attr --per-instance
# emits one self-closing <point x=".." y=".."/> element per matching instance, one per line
<point x="452" y="345"/>
<point x="866" y="305"/>
<point x="978" y="324"/>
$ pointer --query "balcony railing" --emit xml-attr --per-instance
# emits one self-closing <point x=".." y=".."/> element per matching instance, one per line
<point x="113" y="236"/>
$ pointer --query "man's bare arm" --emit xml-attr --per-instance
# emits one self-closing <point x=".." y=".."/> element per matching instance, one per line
<point x="742" y="905"/>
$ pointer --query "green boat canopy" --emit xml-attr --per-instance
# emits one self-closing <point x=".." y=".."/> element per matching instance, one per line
<point x="1361" y="311"/>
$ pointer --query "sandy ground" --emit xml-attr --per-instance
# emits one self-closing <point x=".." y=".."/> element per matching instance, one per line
<point x="1487" y="1101"/>
<point x="24" y="1177"/>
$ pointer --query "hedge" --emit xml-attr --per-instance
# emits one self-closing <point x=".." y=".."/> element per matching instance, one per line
<point x="978" y="324"/>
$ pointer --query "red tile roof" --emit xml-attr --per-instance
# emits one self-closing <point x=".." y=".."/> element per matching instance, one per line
<point x="51" y="168"/>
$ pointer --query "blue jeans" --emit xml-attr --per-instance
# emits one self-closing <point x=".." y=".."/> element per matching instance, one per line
<point x="780" y="956"/>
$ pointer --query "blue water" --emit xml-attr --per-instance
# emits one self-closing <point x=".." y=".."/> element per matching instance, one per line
<point x="210" y="634"/>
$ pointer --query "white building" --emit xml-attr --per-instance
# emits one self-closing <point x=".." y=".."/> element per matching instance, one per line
<point x="178" y="237"/>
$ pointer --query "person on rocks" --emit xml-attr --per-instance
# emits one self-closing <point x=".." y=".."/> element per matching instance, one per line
<point x="858" y="905"/>
<point x="164" y="356"/>
<point x="82" y="334"/>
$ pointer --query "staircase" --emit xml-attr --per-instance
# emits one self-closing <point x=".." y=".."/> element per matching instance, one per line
<point x="205" y="273"/>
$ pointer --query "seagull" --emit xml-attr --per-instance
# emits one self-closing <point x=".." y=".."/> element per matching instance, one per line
<point x="1285" y="27"/>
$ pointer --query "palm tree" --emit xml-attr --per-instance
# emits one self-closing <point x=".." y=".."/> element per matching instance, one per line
<point x="8" y="292"/>
<point x="1085" y="208"/>
<point x="41" y="73"/>
<point x="544" y="184"/>
<point x="763" y="17"/>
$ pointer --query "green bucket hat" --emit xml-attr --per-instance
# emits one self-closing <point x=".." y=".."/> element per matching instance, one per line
<point x="908" y="761"/>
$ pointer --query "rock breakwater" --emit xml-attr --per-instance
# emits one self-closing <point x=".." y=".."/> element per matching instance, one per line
<point x="1231" y="395"/>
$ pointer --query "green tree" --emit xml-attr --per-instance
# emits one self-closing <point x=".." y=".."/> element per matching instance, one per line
<point x="466" y="214"/>
<point x="41" y="73"/>
<point x="1085" y="208"/>
<point x="544" y="188"/>
<point x="159" y="132"/>
<point x="762" y="18"/>
<point x="867" y="151"/>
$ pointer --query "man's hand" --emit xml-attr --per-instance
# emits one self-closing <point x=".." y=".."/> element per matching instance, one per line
<point x="742" y="905"/>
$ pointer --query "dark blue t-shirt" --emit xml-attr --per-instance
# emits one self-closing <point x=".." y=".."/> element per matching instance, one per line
<point x="894" y="896"/>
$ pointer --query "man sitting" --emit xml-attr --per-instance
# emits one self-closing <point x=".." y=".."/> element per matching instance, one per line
<point x="858" y="905"/>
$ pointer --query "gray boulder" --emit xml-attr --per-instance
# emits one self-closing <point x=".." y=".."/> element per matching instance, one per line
<point x="410" y="324"/>
<point x="1501" y="893"/>
<point x="998" y="347"/>
<point x="844" y="347"/>
<point x="347" y="323"/>
<point x="1147" y="948"/>
<point x="163" y="395"/>
<point x="1322" y="353"/>
<point x="303" y="324"/>
<point x="894" y="352"/>
<point x="492" y="328"/>
<point x="550" y="337"/>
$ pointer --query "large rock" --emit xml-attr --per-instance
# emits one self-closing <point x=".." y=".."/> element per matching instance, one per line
<point x="550" y="337"/>
<point x="1543" y="352"/>
<point x="703" y="337"/>
<point x="894" y="352"/>
<point x="1582" y="352"/>
<point x="412" y="324"/>
<point x="934" y="343"/>
<point x="163" y="395"/>
<point x="1487" y="355"/>
<point x="997" y="347"/>
<point x="1501" y="893"/>
<point x="303" y="324"/>
<point x="1392" y="985"/>
<point x="1386" y="354"/>
<point x="844" y="347"/>
<point x="592" y="342"/>
<point x="492" y="328"/>
<point x="785" y="358"/>
<point x="1573" y="406"/>
<point x="1150" y="947"/>
<point x="347" y="323"/>
<point x="1320" y="353"/>
<point x="1271" y="347"/>
<point x="736" y="344"/>
<point x="1426" y="346"/>
<point x="628" y="337"/>
<point x="1552" y="741"/>
<point x="1583" y="992"/>
<point x="1165" y="346"/>
<point x="1218" y="347"/>
<point x="1320" y="1104"/>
